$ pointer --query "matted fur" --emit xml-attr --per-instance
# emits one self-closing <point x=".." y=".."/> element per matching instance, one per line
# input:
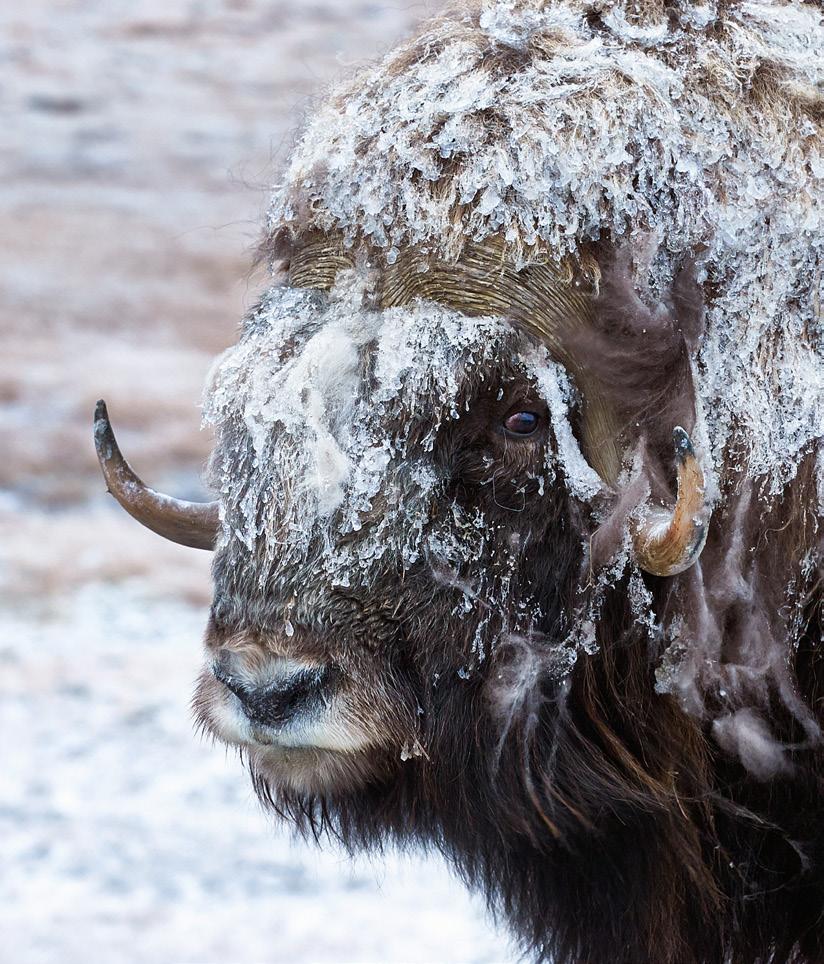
<point x="630" y="768"/>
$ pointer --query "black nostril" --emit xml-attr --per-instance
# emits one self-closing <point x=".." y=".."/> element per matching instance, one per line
<point x="277" y="702"/>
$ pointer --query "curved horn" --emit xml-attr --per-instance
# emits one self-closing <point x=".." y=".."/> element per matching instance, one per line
<point x="194" y="524"/>
<point x="667" y="543"/>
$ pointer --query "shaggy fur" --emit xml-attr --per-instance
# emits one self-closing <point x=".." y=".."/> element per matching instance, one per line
<point x="629" y="768"/>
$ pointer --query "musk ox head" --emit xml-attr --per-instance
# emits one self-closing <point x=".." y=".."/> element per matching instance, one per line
<point x="406" y="514"/>
<point x="519" y="474"/>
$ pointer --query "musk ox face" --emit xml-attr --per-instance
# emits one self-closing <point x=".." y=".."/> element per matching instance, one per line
<point x="392" y="512"/>
<point x="406" y="521"/>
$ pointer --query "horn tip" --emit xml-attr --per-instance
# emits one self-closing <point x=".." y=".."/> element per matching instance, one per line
<point x="103" y="436"/>
<point x="101" y="412"/>
<point x="684" y="448"/>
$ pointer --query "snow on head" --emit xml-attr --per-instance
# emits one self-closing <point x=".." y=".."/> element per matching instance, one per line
<point x="557" y="123"/>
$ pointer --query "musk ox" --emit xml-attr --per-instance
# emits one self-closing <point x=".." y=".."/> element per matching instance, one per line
<point x="520" y="475"/>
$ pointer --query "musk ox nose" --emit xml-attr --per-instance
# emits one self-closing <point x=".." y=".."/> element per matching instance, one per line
<point x="287" y="690"/>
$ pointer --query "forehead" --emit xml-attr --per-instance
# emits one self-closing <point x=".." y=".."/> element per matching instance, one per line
<point x="305" y="353"/>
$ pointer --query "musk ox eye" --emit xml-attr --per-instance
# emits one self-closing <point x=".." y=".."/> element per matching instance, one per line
<point x="522" y="423"/>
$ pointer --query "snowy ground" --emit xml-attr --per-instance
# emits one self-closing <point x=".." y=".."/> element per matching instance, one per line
<point x="136" y="141"/>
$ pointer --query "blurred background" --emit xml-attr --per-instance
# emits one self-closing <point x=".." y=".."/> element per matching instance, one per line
<point x="138" y="139"/>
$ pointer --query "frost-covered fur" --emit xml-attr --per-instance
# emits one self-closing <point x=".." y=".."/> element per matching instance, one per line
<point x="684" y="127"/>
<point x="629" y="767"/>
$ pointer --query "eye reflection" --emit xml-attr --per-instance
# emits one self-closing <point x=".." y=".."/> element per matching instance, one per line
<point x="522" y="423"/>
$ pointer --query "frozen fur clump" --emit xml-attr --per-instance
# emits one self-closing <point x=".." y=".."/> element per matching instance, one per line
<point x="698" y="125"/>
